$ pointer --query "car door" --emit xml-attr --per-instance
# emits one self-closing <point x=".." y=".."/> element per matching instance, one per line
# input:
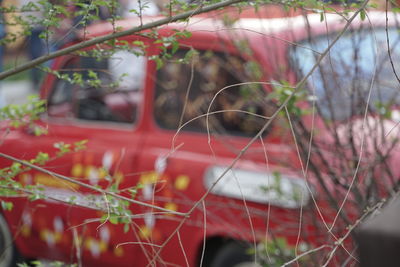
<point x="95" y="119"/>
<point x="180" y="158"/>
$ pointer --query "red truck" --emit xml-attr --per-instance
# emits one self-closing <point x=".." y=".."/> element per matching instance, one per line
<point x="174" y="132"/>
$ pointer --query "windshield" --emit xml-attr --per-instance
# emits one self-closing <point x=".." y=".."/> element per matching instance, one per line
<point x="357" y="65"/>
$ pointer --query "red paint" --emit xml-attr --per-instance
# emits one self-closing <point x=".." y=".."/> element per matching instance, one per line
<point x="135" y="149"/>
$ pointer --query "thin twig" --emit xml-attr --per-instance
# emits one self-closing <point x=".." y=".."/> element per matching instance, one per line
<point x="101" y="39"/>
<point x="299" y="85"/>
<point x="68" y="179"/>
<point x="305" y="254"/>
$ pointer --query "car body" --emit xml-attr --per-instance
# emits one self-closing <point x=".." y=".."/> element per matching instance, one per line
<point x="134" y="147"/>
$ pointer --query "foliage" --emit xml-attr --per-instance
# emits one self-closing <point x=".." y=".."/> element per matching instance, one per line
<point x="116" y="206"/>
<point x="25" y="114"/>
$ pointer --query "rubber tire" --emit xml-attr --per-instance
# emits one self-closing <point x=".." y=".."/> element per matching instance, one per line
<point x="233" y="254"/>
<point x="8" y="254"/>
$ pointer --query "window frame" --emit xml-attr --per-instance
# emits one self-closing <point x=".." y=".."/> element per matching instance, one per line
<point x="221" y="53"/>
<point x="73" y="119"/>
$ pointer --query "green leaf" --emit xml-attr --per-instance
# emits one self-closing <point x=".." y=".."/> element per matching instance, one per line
<point x="38" y="131"/>
<point x="36" y="263"/>
<point x="375" y="5"/>
<point x="396" y="9"/>
<point x="23" y="264"/>
<point x="104" y="218"/>
<point x="126" y="228"/>
<point x="138" y="43"/>
<point x="159" y="62"/>
<point x="41" y="158"/>
<point x="175" y="46"/>
<point x="92" y="74"/>
<point x="15" y="167"/>
<point x="7" y="205"/>
<point x="362" y="14"/>
<point x="113" y="219"/>
<point x="80" y="145"/>
<point x="189" y="55"/>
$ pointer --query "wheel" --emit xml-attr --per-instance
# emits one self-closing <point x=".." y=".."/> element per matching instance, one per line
<point x="234" y="254"/>
<point x="7" y="250"/>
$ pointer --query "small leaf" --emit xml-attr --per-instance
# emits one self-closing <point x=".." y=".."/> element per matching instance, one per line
<point x="104" y="218"/>
<point x="15" y="167"/>
<point x="80" y="145"/>
<point x="7" y="205"/>
<point x="396" y="9"/>
<point x="362" y="14"/>
<point x="126" y="228"/>
<point x="159" y="62"/>
<point x="113" y="219"/>
<point x="175" y="46"/>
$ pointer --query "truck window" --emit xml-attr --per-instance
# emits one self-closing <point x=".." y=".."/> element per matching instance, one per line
<point x="105" y="89"/>
<point x="188" y="89"/>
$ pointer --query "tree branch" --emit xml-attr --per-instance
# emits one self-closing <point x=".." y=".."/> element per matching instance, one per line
<point x="101" y="39"/>
<point x="99" y="190"/>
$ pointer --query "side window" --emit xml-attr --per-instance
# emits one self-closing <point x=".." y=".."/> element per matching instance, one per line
<point x="60" y="100"/>
<point x="188" y="89"/>
<point x="106" y="89"/>
<point x="341" y="84"/>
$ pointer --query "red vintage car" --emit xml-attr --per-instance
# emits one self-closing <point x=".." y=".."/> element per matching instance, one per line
<point x="174" y="130"/>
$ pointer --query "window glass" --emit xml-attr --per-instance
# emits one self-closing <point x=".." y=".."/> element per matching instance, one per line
<point x="60" y="101"/>
<point x="184" y="94"/>
<point x="105" y="89"/>
<point x="122" y="62"/>
<point x="355" y="75"/>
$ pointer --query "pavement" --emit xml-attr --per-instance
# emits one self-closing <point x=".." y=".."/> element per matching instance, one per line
<point x="15" y="92"/>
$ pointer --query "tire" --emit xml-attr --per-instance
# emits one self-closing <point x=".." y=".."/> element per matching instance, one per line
<point x="7" y="250"/>
<point x="233" y="254"/>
